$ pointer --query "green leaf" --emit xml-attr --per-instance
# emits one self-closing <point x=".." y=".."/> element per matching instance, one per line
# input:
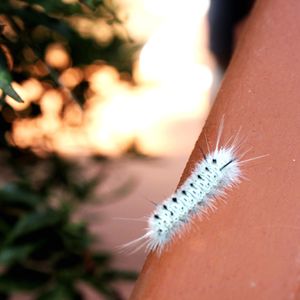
<point x="7" y="87"/>
<point x="93" y="4"/>
<point x="6" y="79"/>
<point x="19" y="278"/>
<point x="11" y="255"/>
<point x="36" y="221"/>
<point x="101" y="258"/>
<point x="75" y="237"/>
<point x="15" y="194"/>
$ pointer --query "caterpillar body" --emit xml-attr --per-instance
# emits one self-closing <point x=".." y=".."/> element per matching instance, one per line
<point x="219" y="170"/>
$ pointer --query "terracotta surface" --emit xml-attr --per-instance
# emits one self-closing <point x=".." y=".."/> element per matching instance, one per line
<point x="250" y="247"/>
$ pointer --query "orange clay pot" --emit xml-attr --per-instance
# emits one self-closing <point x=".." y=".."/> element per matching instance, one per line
<point x="250" y="247"/>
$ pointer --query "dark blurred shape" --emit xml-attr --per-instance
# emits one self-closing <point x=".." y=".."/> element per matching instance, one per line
<point x="223" y="16"/>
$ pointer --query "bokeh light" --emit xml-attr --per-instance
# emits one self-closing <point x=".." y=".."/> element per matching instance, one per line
<point x="173" y="76"/>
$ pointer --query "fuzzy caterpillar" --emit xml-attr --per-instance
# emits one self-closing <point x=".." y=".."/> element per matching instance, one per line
<point x="219" y="170"/>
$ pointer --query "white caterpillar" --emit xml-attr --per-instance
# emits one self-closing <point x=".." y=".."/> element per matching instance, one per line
<point x="219" y="170"/>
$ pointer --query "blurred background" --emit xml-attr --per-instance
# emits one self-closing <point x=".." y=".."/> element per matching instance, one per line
<point x="101" y="104"/>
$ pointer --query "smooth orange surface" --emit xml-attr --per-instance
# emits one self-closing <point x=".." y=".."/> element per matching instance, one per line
<point x="250" y="247"/>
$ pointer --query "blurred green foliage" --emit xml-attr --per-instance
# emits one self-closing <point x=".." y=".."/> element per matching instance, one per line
<point x="43" y="250"/>
<point x="36" y="24"/>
